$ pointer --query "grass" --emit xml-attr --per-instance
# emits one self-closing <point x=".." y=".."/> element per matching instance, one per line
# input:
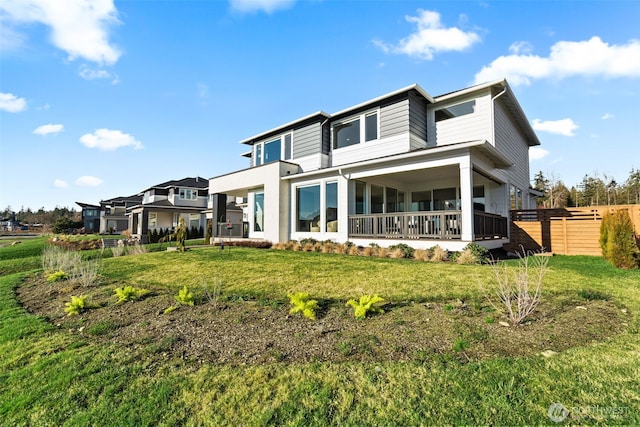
<point x="53" y="376"/>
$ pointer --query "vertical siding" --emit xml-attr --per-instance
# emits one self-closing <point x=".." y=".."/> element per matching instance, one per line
<point x="512" y="144"/>
<point x="394" y="119"/>
<point x="307" y="141"/>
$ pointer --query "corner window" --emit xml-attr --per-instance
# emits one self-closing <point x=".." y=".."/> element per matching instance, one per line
<point x="457" y="110"/>
<point x="258" y="161"/>
<point x="308" y="208"/>
<point x="371" y="127"/>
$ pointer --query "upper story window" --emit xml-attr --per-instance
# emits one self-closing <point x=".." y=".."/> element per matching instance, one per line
<point x="350" y="131"/>
<point x="274" y="150"/>
<point x="457" y="110"/>
<point x="188" y="194"/>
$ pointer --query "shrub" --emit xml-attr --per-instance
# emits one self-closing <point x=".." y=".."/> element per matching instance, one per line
<point x="369" y="251"/>
<point x="184" y="296"/>
<point x="213" y="292"/>
<point x="180" y="234"/>
<point x="467" y="257"/>
<point x="85" y="273"/>
<point x="422" y="254"/>
<point x="518" y="291"/>
<point x="481" y="253"/>
<point x="365" y="305"/>
<point x="406" y="250"/>
<point x="308" y="247"/>
<point x="396" y="253"/>
<point x="302" y="304"/>
<point x="354" y="250"/>
<point x="307" y="240"/>
<point x="617" y="240"/>
<point x="382" y="252"/>
<point x="439" y="254"/>
<point x="76" y="305"/>
<point x="327" y="248"/>
<point x="57" y="276"/>
<point x="129" y="293"/>
<point x="136" y="249"/>
<point x="55" y="258"/>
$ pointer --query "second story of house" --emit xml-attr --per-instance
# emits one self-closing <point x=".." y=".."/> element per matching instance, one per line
<point x="117" y="206"/>
<point x="187" y="192"/>
<point x="405" y="120"/>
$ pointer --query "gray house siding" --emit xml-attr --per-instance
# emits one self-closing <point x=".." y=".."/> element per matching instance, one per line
<point x="510" y="142"/>
<point x="394" y="119"/>
<point x="417" y="121"/>
<point x="307" y="141"/>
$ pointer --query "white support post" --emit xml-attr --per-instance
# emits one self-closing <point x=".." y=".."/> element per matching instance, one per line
<point x="466" y="199"/>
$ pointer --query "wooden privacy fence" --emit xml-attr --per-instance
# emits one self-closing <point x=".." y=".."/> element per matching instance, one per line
<point x="570" y="231"/>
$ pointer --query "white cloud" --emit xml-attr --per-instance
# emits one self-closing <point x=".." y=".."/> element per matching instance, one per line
<point x="48" y="129"/>
<point x="79" y="27"/>
<point x="11" y="103"/>
<point x="58" y="183"/>
<point x="559" y="127"/>
<point x="109" y="140"/>
<point x="267" y="6"/>
<point x="607" y="116"/>
<point x="88" y="73"/>
<point x="592" y="57"/>
<point x="88" y="181"/>
<point x="430" y="37"/>
<point x="537" y="153"/>
<point x="518" y="48"/>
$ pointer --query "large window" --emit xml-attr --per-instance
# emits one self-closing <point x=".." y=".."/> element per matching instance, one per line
<point x="350" y="131"/>
<point x="457" y="110"/>
<point x="361" y="197"/>
<point x="258" y="212"/>
<point x="420" y="201"/>
<point x="194" y="220"/>
<point x="346" y="134"/>
<point x="308" y="208"/>
<point x="445" y="199"/>
<point x="271" y="151"/>
<point x="377" y="199"/>
<point x="331" y="206"/>
<point x="153" y="220"/>
<point x="188" y="194"/>
<point x="478" y="198"/>
<point x="392" y="200"/>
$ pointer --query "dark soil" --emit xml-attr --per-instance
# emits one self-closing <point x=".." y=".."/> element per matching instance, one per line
<point x="245" y="331"/>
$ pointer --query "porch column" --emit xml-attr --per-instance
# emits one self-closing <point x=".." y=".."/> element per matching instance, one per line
<point x="466" y="198"/>
<point x="144" y="226"/>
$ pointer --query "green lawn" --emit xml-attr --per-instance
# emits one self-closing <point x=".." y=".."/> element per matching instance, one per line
<point x="51" y="376"/>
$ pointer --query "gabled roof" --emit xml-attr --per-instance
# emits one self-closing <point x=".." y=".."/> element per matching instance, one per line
<point x="195" y="182"/>
<point x="122" y="199"/>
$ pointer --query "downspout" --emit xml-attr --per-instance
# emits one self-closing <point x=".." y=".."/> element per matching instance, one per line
<point x="493" y="116"/>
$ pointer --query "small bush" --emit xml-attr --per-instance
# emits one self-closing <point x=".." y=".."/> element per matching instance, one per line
<point x="76" y="305"/>
<point x="57" y="276"/>
<point x="618" y="241"/>
<point x="129" y="293"/>
<point x="406" y="250"/>
<point x="422" y="254"/>
<point x="85" y="273"/>
<point x="185" y="297"/>
<point x="353" y="250"/>
<point x="382" y="253"/>
<point x="369" y="251"/>
<point x="327" y="248"/>
<point x="365" y="305"/>
<point x="439" y="254"/>
<point x="467" y="257"/>
<point x="481" y="253"/>
<point x="302" y="304"/>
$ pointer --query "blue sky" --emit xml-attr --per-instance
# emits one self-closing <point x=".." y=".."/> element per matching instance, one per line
<point x="100" y="99"/>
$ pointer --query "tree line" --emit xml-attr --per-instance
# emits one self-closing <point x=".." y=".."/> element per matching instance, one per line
<point x="593" y="190"/>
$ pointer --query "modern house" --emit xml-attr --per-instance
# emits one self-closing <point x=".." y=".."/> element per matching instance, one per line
<point x="161" y="206"/>
<point x="110" y="216"/>
<point x="405" y="167"/>
<point x="90" y="217"/>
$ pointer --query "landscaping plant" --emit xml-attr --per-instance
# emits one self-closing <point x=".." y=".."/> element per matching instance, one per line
<point x="518" y="290"/>
<point x="76" y="305"/>
<point x="365" y="305"/>
<point x="129" y="293"/>
<point x="618" y="240"/>
<point x="302" y="304"/>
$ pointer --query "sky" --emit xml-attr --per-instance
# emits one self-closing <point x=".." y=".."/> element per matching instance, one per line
<point x="101" y="98"/>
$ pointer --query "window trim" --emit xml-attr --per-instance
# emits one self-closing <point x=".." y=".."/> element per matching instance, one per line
<point x="362" y="128"/>
<point x="258" y="149"/>
<point x="457" y="104"/>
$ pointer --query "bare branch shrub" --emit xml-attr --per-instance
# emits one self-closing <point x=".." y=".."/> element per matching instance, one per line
<point x="136" y="249"/>
<point x="85" y="273"/>
<point x="55" y="258"/>
<point x="518" y="290"/>
<point x="213" y="291"/>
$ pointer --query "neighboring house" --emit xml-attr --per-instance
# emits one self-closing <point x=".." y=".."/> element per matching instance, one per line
<point x="162" y="206"/>
<point x="90" y="217"/>
<point x="113" y="213"/>
<point x="405" y="167"/>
